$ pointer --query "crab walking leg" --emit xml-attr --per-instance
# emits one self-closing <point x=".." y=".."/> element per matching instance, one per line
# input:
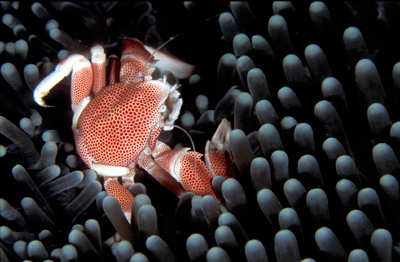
<point x="159" y="174"/>
<point x="123" y="196"/>
<point x="113" y="68"/>
<point x="99" y="69"/>
<point x="44" y="87"/>
<point x="62" y="70"/>
<point x="218" y="157"/>
<point x="81" y="82"/>
<point x="127" y="180"/>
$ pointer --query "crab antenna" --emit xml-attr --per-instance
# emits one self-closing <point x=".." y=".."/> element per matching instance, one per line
<point x="191" y="141"/>
<point x="184" y="131"/>
<point x="173" y="37"/>
<point x="155" y="51"/>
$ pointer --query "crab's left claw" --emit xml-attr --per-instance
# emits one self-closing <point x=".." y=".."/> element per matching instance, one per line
<point x="159" y="174"/>
<point x="218" y="156"/>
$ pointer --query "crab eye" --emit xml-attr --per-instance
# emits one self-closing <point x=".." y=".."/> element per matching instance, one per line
<point x="163" y="108"/>
<point x="140" y="74"/>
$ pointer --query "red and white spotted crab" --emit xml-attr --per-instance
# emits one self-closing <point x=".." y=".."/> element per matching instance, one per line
<point x="119" y="113"/>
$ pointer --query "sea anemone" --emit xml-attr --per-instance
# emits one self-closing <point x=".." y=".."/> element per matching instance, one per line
<point x="311" y="88"/>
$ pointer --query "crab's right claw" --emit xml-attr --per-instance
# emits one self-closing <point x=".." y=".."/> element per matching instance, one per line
<point x="167" y="62"/>
<point x="218" y="156"/>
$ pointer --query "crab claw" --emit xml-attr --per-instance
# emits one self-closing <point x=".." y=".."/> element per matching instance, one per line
<point x="188" y="169"/>
<point x="161" y="175"/>
<point x="167" y="62"/>
<point x="218" y="156"/>
<point x="135" y="61"/>
<point x="45" y="86"/>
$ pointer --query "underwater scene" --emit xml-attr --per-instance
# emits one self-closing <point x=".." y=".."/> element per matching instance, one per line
<point x="200" y="131"/>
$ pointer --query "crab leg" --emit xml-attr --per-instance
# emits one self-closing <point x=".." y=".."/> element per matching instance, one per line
<point x="123" y="196"/>
<point x="113" y="68"/>
<point x="84" y="78"/>
<point x="161" y="175"/>
<point x="81" y="84"/>
<point x="99" y="69"/>
<point x="45" y="86"/>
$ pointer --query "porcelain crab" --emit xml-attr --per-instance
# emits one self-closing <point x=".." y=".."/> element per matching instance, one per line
<point x="119" y="113"/>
